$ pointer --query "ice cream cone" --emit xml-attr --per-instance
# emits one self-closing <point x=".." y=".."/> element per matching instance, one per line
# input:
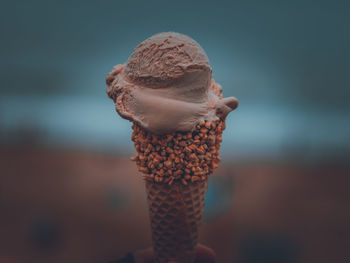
<point x="175" y="214"/>
<point x="167" y="90"/>
<point x="176" y="168"/>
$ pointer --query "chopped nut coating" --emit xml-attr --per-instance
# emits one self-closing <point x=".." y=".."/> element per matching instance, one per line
<point x="184" y="156"/>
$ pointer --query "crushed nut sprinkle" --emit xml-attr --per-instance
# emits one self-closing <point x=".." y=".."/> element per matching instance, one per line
<point x="179" y="156"/>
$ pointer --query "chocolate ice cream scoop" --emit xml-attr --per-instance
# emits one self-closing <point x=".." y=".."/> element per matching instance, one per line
<point x="167" y="85"/>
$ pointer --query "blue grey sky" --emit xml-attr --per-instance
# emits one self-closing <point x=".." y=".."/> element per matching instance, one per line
<point x="286" y="61"/>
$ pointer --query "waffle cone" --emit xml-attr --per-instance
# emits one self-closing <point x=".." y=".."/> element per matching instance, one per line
<point x="175" y="214"/>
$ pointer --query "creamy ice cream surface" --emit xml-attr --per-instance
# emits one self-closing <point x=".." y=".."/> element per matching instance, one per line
<point x="167" y="85"/>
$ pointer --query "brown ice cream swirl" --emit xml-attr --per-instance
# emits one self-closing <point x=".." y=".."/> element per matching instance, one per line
<point x="167" y="85"/>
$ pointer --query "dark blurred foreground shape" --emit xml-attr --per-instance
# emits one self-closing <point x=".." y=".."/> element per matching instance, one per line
<point x="64" y="206"/>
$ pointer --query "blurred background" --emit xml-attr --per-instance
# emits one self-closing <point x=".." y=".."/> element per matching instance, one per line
<point x="69" y="193"/>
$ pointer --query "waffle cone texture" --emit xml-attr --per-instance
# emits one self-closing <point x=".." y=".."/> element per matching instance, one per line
<point x="175" y="214"/>
<point x="175" y="168"/>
